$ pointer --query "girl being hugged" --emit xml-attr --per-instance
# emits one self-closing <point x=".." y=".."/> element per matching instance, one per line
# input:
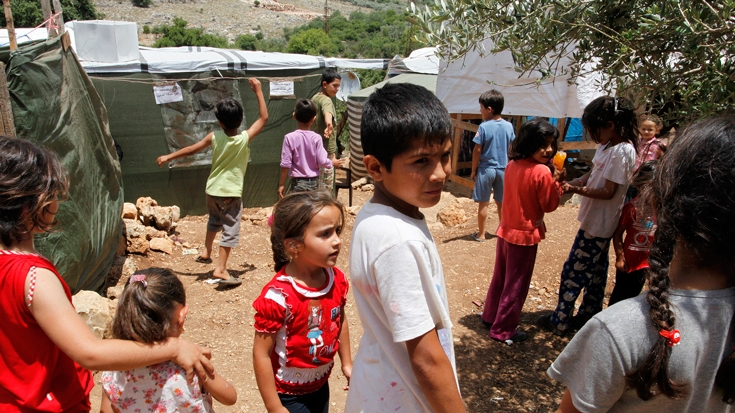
<point x="671" y="349"/>
<point x="300" y="318"/>
<point x="46" y="350"/>
<point x="531" y="190"/>
<point x="151" y="309"/>
<point x="612" y="124"/>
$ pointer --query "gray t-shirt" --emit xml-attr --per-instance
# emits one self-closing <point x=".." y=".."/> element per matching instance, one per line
<point x="616" y="341"/>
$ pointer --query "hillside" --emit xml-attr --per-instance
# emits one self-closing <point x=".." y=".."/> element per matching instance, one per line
<point x="229" y="18"/>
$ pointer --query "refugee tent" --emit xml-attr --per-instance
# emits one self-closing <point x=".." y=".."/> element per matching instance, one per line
<point x="55" y="105"/>
<point x="460" y="83"/>
<point x="355" y="103"/>
<point x="164" y="100"/>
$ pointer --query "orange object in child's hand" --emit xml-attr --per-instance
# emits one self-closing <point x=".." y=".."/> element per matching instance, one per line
<point x="559" y="159"/>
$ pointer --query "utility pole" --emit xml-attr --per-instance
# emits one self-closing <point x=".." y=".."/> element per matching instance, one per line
<point x="326" y="16"/>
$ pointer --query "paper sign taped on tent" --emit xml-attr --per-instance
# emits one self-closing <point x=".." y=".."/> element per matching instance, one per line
<point x="282" y="89"/>
<point x="168" y="94"/>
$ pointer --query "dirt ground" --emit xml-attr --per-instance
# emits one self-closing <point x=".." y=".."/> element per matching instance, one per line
<point x="493" y="377"/>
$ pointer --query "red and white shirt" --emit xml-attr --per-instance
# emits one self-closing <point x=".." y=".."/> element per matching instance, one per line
<point x="307" y="323"/>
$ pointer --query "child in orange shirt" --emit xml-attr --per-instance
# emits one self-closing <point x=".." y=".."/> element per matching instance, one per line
<point x="531" y="190"/>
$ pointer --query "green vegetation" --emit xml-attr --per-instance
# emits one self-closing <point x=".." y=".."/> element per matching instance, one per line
<point x="180" y="35"/>
<point x="27" y="13"/>
<point x="379" y="34"/>
<point x="670" y="56"/>
<point x="142" y="3"/>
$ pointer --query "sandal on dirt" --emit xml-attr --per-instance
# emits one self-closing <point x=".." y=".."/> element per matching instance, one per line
<point x="477" y="238"/>
<point x="232" y="281"/>
<point x="203" y="260"/>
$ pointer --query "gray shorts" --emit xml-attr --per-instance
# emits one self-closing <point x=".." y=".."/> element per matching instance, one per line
<point x="304" y="184"/>
<point x="225" y="214"/>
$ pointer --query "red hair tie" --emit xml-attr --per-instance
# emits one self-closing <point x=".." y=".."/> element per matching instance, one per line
<point x="674" y="336"/>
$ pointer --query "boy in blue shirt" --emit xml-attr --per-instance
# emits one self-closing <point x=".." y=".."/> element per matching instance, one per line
<point x="490" y="157"/>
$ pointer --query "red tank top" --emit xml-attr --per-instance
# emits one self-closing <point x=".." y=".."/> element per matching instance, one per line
<point x="35" y="376"/>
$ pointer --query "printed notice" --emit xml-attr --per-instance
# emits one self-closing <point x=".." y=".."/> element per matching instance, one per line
<point x="282" y="89"/>
<point x="168" y="94"/>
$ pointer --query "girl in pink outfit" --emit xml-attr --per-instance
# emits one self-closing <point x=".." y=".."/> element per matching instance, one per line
<point x="532" y="189"/>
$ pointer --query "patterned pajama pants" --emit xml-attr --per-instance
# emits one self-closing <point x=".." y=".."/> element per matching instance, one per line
<point x="585" y="268"/>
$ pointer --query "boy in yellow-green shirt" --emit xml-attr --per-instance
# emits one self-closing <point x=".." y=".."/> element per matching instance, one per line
<point x="230" y="154"/>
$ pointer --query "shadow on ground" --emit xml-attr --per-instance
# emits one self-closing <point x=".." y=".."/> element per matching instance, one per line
<point x="514" y="377"/>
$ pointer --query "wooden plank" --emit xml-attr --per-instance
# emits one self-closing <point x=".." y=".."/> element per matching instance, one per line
<point x="567" y="146"/>
<point x="456" y="141"/>
<point x="462" y="181"/>
<point x="464" y="165"/>
<point x="464" y="125"/>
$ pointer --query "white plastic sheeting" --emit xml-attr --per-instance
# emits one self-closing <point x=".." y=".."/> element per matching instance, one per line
<point x="461" y="83"/>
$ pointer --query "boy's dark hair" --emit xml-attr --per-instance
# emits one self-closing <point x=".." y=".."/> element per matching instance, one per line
<point x="494" y="100"/>
<point x="617" y="110"/>
<point x="397" y="115"/>
<point x="31" y="179"/>
<point x="329" y="75"/>
<point x="691" y="192"/>
<point x="146" y="309"/>
<point x="304" y="111"/>
<point x="532" y="137"/>
<point x="229" y="112"/>
<point x="292" y="215"/>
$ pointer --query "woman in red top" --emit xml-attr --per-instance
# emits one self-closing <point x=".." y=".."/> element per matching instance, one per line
<point x="46" y="350"/>
<point x="531" y="189"/>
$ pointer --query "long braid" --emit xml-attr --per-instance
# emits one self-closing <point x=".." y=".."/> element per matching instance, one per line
<point x="655" y="368"/>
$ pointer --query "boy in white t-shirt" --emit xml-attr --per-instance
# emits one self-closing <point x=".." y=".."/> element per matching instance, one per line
<point x="406" y="354"/>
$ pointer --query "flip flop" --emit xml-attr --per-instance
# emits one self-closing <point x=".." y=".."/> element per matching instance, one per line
<point x="232" y="281"/>
<point x="203" y="260"/>
<point x="476" y="237"/>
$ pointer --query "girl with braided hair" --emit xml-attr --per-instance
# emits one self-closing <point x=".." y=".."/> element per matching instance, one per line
<point x="670" y="349"/>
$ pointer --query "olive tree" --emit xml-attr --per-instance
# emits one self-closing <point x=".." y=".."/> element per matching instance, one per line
<point x="673" y="56"/>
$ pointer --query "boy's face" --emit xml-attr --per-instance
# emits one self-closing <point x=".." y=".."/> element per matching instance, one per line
<point x="330" y="89"/>
<point x="417" y="176"/>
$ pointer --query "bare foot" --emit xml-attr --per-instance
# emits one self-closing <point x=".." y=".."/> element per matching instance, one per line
<point x="222" y="275"/>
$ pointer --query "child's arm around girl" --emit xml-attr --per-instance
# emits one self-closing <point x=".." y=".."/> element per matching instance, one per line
<point x="151" y="309"/>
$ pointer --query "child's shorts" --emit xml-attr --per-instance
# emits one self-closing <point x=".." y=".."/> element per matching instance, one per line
<point x="225" y="214"/>
<point x="488" y="181"/>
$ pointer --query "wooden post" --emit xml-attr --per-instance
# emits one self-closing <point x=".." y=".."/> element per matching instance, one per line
<point x="6" y="111"/>
<point x="46" y="10"/>
<point x="59" y="18"/>
<point x="456" y="142"/>
<point x="562" y="127"/>
<point x="10" y="25"/>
